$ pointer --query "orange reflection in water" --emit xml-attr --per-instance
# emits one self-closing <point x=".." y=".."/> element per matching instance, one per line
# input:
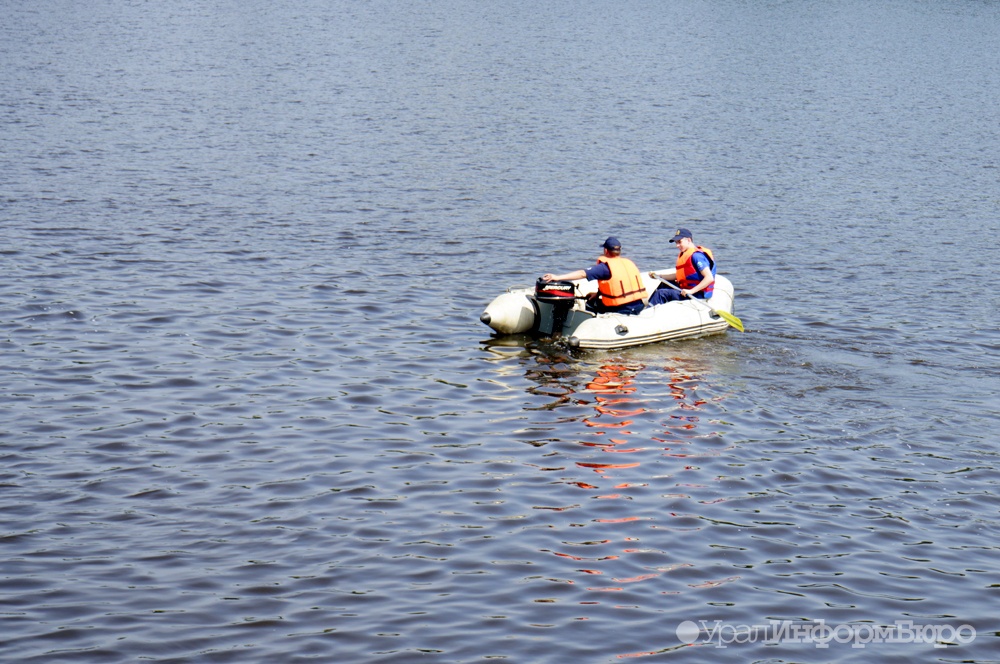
<point x="661" y="426"/>
<point x="604" y="467"/>
<point x="613" y="403"/>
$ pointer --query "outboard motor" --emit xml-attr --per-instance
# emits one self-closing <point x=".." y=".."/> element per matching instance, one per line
<point x="559" y="294"/>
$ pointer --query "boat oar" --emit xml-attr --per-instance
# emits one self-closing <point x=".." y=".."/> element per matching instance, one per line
<point x="726" y="316"/>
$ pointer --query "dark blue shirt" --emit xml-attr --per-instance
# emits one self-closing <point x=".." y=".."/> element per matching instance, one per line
<point x="700" y="262"/>
<point x="600" y="272"/>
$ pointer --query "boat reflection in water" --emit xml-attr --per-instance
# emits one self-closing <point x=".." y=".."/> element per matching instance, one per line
<point x="626" y="436"/>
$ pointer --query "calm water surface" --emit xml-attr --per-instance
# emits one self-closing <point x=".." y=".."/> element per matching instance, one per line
<point x="250" y="413"/>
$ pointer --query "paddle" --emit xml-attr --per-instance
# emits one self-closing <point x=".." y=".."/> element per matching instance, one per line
<point x="726" y="316"/>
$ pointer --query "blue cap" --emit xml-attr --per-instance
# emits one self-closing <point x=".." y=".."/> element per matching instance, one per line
<point x="612" y="243"/>
<point x="681" y="232"/>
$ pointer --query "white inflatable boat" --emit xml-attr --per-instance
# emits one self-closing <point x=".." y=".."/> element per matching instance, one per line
<point x="558" y="308"/>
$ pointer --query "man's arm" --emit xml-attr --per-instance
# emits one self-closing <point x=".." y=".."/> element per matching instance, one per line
<point x="569" y="276"/>
<point x="707" y="279"/>
<point x="600" y="272"/>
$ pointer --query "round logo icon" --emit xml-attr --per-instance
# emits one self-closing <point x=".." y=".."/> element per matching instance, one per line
<point x="687" y="632"/>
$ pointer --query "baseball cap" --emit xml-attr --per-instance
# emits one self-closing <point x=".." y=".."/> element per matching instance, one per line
<point x="681" y="232"/>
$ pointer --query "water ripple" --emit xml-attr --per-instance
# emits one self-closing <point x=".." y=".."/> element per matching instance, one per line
<point x="250" y="415"/>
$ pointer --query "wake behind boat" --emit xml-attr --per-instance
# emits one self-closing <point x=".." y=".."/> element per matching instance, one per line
<point x="557" y="309"/>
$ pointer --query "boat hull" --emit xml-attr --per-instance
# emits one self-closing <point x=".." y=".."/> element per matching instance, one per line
<point x="518" y="312"/>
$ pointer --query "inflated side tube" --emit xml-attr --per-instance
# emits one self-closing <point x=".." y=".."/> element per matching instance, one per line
<point x="511" y="313"/>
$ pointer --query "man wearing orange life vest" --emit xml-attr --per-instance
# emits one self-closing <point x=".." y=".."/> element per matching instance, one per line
<point x="619" y="283"/>
<point x="694" y="273"/>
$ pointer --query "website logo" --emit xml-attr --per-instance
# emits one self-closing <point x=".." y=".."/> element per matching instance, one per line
<point x="820" y="634"/>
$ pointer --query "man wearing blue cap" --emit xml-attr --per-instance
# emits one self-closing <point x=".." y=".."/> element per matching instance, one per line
<point x="694" y="273"/>
<point x="619" y="283"/>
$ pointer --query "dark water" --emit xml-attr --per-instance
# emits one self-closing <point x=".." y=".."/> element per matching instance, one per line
<point x="250" y="413"/>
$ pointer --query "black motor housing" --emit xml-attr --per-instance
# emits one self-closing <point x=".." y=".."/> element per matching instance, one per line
<point x="560" y="294"/>
<point x="555" y="292"/>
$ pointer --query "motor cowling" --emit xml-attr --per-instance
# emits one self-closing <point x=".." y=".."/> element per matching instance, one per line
<point x="555" y="292"/>
<point x="561" y="296"/>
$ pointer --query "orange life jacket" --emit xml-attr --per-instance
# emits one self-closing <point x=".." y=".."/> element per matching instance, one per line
<point x="687" y="276"/>
<point x="625" y="284"/>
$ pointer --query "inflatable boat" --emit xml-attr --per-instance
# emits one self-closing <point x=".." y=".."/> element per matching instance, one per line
<point x="558" y="308"/>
